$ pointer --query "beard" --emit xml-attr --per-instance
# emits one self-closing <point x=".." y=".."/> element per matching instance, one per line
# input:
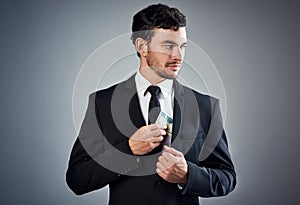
<point x="159" y="68"/>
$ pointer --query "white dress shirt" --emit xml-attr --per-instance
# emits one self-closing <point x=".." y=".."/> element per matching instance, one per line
<point x="166" y="97"/>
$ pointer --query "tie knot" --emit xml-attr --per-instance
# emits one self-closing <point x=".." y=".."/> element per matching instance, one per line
<point x="154" y="90"/>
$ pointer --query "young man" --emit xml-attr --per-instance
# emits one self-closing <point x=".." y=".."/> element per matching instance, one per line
<point x="122" y="142"/>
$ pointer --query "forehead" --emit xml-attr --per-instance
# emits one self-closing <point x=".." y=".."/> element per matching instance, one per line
<point x="161" y="35"/>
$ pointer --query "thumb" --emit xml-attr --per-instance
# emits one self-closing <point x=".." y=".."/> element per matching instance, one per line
<point x="172" y="151"/>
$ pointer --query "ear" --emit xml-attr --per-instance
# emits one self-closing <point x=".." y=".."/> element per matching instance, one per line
<point x="141" y="47"/>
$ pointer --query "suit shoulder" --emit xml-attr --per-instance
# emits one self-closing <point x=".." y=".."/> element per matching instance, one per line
<point x="201" y="97"/>
<point x="105" y="92"/>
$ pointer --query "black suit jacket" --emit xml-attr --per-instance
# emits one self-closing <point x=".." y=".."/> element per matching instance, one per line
<point x="101" y="155"/>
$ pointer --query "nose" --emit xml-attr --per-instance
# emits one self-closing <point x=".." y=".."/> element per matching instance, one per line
<point x="178" y="54"/>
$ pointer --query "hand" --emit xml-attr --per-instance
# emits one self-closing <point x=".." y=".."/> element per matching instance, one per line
<point x="145" y="139"/>
<point x="172" y="166"/>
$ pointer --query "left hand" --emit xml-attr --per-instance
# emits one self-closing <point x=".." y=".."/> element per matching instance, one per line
<point x="172" y="166"/>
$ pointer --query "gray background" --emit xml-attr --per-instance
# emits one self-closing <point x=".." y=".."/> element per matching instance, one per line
<point x="254" y="45"/>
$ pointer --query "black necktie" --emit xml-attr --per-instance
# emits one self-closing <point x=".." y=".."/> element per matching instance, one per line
<point x="154" y="105"/>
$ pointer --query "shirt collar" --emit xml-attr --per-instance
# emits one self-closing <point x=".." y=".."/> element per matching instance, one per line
<point x="142" y="84"/>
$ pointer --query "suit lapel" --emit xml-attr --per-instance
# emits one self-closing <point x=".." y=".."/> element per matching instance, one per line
<point x="179" y="102"/>
<point x="186" y="118"/>
<point x="135" y="112"/>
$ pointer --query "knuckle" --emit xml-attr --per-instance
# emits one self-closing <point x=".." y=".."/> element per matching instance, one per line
<point x="147" y="135"/>
<point x="143" y="128"/>
<point x="166" y="155"/>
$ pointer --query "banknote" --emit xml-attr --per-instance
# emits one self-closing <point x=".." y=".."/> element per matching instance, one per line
<point x="164" y="119"/>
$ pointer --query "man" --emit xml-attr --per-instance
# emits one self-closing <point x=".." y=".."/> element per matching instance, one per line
<point x="122" y="142"/>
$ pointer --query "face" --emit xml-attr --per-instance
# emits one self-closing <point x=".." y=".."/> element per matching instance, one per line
<point x="166" y="51"/>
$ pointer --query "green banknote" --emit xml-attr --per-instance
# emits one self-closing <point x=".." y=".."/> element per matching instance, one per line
<point x="164" y="119"/>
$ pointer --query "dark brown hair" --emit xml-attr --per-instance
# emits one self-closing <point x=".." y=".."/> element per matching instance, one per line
<point x="155" y="16"/>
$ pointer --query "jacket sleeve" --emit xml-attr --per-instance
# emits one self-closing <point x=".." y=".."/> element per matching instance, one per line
<point x="91" y="160"/>
<point x="214" y="174"/>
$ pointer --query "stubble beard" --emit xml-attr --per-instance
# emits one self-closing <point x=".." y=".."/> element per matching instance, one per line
<point x="158" y="68"/>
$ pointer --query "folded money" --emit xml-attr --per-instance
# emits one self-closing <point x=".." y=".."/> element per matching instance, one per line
<point x="164" y="119"/>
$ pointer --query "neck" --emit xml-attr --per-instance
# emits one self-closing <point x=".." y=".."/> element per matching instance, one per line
<point x="150" y="75"/>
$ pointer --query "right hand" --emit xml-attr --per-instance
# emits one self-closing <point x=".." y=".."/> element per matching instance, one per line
<point x="145" y="139"/>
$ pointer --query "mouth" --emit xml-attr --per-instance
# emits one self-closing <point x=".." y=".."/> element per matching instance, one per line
<point x="174" y="66"/>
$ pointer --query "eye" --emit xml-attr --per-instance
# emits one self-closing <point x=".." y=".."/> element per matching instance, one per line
<point x="183" y="46"/>
<point x="169" y="46"/>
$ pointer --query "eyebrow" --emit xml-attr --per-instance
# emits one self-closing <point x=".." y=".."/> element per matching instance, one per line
<point x="172" y="42"/>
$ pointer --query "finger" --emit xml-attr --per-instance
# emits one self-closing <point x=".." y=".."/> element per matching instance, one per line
<point x="160" y="173"/>
<point x="157" y="139"/>
<point x="157" y="132"/>
<point x="167" y="164"/>
<point x="163" y="174"/>
<point x="161" y="167"/>
<point x="156" y="126"/>
<point x="170" y="158"/>
<point x="172" y="151"/>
